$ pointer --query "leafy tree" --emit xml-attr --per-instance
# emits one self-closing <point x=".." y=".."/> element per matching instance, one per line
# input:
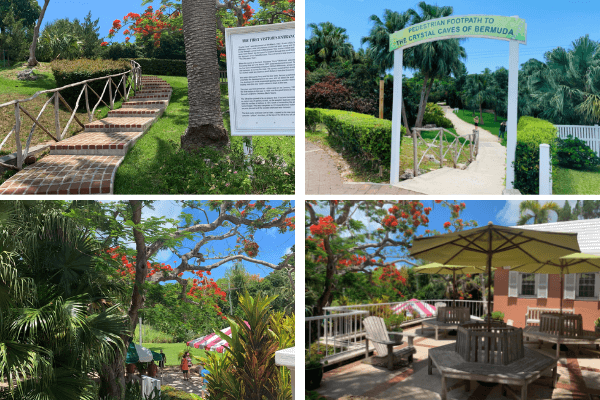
<point x="26" y="11"/>
<point x="565" y="213"/>
<point x="434" y="59"/>
<point x="14" y="37"/>
<point x="479" y="89"/>
<point x="532" y="210"/>
<point x="328" y="43"/>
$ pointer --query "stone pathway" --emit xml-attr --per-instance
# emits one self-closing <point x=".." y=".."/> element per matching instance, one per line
<point x="485" y="175"/>
<point x="87" y="162"/>
<point x="322" y="177"/>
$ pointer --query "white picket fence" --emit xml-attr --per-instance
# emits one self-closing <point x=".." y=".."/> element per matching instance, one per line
<point x="589" y="134"/>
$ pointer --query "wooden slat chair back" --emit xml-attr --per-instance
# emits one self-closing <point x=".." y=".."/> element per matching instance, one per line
<point x="377" y="332"/>
<point x="439" y="305"/>
<point x="533" y="314"/>
<point x="565" y="326"/>
<point x="453" y="315"/>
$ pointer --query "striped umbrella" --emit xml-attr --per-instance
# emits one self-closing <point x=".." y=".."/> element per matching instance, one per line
<point x="212" y="341"/>
<point x="425" y="310"/>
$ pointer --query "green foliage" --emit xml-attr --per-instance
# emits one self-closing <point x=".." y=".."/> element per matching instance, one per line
<point x="597" y="322"/>
<point x="365" y="135"/>
<point x="152" y="335"/>
<point x="116" y="51"/>
<point x="14" y="37"/>
<point x="66" y="39"/>
<point x="531" y="132"/>
<point x="315" y="353"/>
<point x="67" y="72"/>
<point x="393" y="321"/>
<point x="499" y="315"/>
<point x="328" y="43"/>
<point x="155" y="66"/>
<point x="435" y="115"/>
<point x="575" y="153"/>
<point x="311" y="118"/>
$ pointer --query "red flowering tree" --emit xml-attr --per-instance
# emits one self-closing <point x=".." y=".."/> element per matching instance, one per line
<point x="119" y="224"/>
<point x="360" y="236"/>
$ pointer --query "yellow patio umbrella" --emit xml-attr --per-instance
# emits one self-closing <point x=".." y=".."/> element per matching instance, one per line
<point x="441" y="269"/>
<point x="494" y="245"/>
<point x="577" y="263"/>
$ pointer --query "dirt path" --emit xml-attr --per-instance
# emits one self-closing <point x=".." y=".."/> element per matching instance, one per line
<point x="464" y="128"/>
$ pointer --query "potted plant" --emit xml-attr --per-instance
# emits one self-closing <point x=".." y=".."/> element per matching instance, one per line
<point x="314" y="367"/>
<point x="597" y="323"/>
<point x="393" y="323"/>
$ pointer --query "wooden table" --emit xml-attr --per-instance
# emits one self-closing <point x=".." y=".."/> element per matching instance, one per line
<point x="519" y="373"/>
<point x="586" y="337"/>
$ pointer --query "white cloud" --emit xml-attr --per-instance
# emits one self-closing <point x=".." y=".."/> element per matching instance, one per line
<point x="163" y="208"/>
<point x="163" y="255"/>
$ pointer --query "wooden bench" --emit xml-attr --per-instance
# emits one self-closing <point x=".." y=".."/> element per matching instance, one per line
<point x="519" y="373"/>
<point x="378" y="334"/>
<point x="533" y="314"/>
<point x="447" y="319"/>
<point x="585" y="337"/>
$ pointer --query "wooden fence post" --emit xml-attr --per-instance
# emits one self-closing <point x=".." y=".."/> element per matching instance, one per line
<point x="87" y="103"/>
<point x="441" y="148"/>
<point x="125" y="87"/>
<point x="111" y="104"/>
<point x="416" y="166"/>
<point x="17" y="137"/>
<point x="56" y="117"/>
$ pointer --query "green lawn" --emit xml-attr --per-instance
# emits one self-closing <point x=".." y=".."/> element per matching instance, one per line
<point x="152" y="335"/>
<point x="157" y="165"/>
<point x="173" y="351"/>
<point x="572" y="181"/>
<point x="488" y="119"/>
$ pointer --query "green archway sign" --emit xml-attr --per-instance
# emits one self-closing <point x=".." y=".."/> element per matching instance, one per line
<point x="511" y="29"/>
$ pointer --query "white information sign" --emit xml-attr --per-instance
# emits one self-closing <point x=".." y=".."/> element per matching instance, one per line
<point x="261" y="79"/>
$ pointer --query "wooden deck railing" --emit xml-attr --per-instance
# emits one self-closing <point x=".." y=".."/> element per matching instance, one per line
<point x="126" y="81"/>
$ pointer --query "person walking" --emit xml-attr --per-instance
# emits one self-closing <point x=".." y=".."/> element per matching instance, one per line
<point x="476" y="121"/>
<point x="163" y="359"/>
<point x="502" y="134"/>
<point x="185" y="366"/>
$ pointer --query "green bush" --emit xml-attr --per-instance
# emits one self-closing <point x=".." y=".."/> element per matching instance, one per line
<point x="155" y="66"/>
<point x="575" y="153"/>
<point x="435" y="115"/>
<point x="364" y="135"/>
<point x="311" y="118"/>
<point x="67" y="72"/>
<point x="531" y="132"/>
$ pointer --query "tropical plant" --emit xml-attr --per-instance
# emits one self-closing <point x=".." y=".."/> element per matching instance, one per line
<point x="532" y="210"/>
<point x="328" y="43"/>
<point x="498" y="315"/>
<point x="574" y="153"/>
<point x="433" y="59"/>
<point x="597" y="322"/>
<point x="479" y="89"/>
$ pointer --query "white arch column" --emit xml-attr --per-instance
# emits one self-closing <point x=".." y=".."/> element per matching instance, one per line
<point x="513" y="100"/>
<point x="396" y="117"/>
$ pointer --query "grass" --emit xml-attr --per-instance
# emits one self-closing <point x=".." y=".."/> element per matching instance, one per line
<point x="13" y="89"/>
<point x="149" y="334"/>
<point x="572" y="181"/>
<point x="157" y="165"/>
<point x="173" y="351"/>
<point x="367" y="171"/>
<point x="488" y="119"/>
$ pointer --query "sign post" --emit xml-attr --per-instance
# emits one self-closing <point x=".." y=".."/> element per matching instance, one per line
<point x="512" y="29"/>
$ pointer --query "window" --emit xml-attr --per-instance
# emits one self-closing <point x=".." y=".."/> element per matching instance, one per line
<point x="586" y="285"/>
<point x="527" y="285"/>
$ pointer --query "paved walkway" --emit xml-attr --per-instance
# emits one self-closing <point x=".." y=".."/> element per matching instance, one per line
<point x="485" y="175"/>
<point x="322" y="177"/>
<point x="578" y="378"/>
<point x="87" y="162"/>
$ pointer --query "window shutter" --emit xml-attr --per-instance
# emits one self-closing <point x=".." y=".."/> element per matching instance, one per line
<point x="542" y="286"/>
<point x="570" y="283"/>
<point x="598" y="285"/>
<point x="513" y="284"/>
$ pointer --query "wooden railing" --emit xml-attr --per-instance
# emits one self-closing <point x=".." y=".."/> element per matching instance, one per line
<point x="128" y="80"/>
<point x="456" y="147"/>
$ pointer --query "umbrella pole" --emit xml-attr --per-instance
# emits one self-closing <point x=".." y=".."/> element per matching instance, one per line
<point x="454" y="285"/>
<point x="489" y="271"/>
<point x="561" y="291"/>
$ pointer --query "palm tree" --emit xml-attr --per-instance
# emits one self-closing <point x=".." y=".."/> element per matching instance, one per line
<point x="205" y="125"/>
<point x="568" y="90"/>
<point x="479" y="89"/>
<point x="328" y="43"/>
<point x="533" y="210"/>
<point x="434" y="59"/>
<point x="59" y="325"/>
<point x="378" y="42"/>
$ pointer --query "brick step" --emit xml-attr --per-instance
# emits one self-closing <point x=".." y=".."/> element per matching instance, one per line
<point x="147" y="87"/>
<point x="152" y="79"/>
<point x="72" y="174"/>
<point x="152" y="96"/>
<point x="124" y="124"/>
<point x="146" y="91"/>
<point x="146" y="104"/>
<point x="136" y="112"/>
<point x="97" y="144"/>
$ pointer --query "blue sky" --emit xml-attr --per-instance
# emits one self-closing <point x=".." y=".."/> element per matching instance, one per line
<point x="272" y="244"/>
<point x="550" y="23"/>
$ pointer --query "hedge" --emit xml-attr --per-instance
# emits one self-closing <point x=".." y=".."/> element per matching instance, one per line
<point x="67" y="72"/>
<point x="155" y="66"/>
<point x="364" y="135"/>
<point x="531" y="132"/>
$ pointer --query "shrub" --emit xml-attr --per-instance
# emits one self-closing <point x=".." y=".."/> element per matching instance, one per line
<point x="531" y="132"/>
<point x="499" y="315"/>
<point x="311" y="119"/>
<point x="575" y="153"/>
<point x="331" y="93"/>
<point x="116" y="51"/>
<point x="435" y="115"/>
<point x="364" y="135"/>
<point x="393" y="322"/>
<point x="155" y="66"/>
<point x="67" y="72"/>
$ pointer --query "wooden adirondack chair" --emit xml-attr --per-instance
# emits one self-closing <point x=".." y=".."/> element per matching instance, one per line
<point x="378" y="334"/>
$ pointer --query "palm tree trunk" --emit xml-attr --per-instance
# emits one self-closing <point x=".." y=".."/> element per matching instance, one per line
<point x="205" y="126"/>
<point x="422" y="103"/>
<point x="32" y="62"/>
<point x="405" y="119"/>
<point x="481" y="114"/>
<point x="112" y="377"/>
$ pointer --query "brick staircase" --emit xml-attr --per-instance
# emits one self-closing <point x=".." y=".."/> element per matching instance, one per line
<point x="87" y="162"/>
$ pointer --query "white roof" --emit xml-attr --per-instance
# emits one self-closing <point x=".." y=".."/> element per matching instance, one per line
<point x="588" y="232"/>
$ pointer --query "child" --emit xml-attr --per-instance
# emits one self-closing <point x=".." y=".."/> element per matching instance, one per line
<point x="203" y="373"/>
<point x="185" y="366"/>
<point x="476" y="121"/>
